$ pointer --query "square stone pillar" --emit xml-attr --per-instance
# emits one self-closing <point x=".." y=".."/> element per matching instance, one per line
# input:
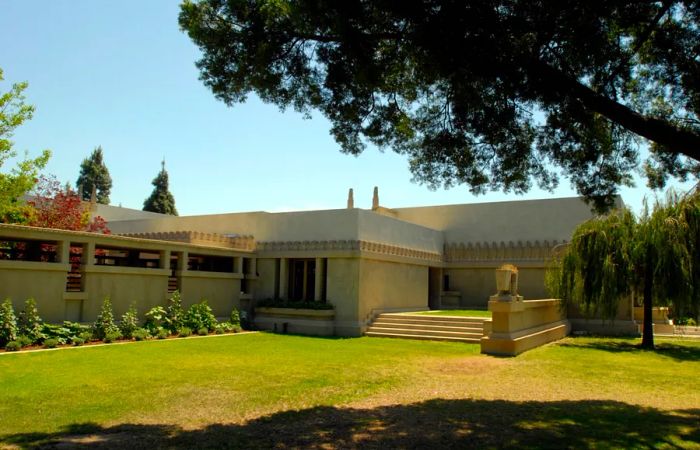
<point x="63" y="252"/>
<point x="283" y="278"/>
<point x="88" y="258"/>
<point x="253" y="268"/>
<point x="318" y="279"/>
<point x="164" y="262"/>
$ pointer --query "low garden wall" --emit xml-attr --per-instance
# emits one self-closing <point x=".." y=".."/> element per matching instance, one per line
<point x="315" y="322"/>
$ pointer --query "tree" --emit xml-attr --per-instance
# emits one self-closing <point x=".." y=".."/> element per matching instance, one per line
<point x="54" y="206"/>
<point x="161" y="200"/>
<point x="20" y="180"/>
<point x="492" y="95"/>
<point x="94" y="173"/>
<point x="613" y="257"/>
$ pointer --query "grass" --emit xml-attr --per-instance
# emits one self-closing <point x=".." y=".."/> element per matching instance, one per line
<point x="265" y="390"/>
<point x="455" y="312"/>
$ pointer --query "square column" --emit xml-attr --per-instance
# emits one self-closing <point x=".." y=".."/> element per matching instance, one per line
<point x="283" y="281"/>
<point x="318" y="279"/>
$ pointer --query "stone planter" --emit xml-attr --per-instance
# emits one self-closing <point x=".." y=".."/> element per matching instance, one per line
<point x="317" y="322"/>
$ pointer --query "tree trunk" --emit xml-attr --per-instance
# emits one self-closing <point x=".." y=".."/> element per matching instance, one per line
<point x="648" y="330"/>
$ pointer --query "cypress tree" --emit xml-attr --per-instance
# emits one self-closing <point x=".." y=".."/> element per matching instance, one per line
<point x="161" y="200"/>
<point x="94" y="172"/>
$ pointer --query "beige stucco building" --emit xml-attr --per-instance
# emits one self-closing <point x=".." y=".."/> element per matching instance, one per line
<point x="362" y="261"/>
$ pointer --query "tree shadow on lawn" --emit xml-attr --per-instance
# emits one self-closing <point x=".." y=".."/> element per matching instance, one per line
<point x="674" y="351"/>
<point x="435" y="423"/>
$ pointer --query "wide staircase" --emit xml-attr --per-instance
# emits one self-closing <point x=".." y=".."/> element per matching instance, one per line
<point x="427" y="327"/>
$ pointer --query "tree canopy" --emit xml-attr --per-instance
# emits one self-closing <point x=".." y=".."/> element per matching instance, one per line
<point x="20" y="180"/>
<point x="655" y="258"/>
<point x="495" y="95"/>
<point x="161" y="200"/>
<point x="94" y="173"/>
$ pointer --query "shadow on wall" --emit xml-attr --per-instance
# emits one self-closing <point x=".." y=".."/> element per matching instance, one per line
<point x="431" y="424"/>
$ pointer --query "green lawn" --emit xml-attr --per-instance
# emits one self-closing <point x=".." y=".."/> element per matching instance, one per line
<point x="456" y="312"/>
<point x="264" y="390"/>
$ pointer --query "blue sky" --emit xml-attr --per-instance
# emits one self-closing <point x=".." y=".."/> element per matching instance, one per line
<point x="121" y="74"/>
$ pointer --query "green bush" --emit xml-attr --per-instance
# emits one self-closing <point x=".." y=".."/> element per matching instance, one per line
<point x="13" y="346"/>
<point x="203" y="331"/>
<point x="78" y="341"/>
<point x="235" y="317"/>
<point x="65" y="332"/>
<point x="162" y="334"/>
<point x="112" y="336"/>
<point x="184" y="332"/>
<point x="8" y="323"/>
<point x="29" y="322"/>
<point x="51" y="343"/>
<point x="141" y="334"/>
<point x="219" y="330"/>
<point x="226" y="327"/>
<point x="105" y="321"/>
<point x="174" y="314"/>
<point x="129" y="322"/>
<point x="86" y="336"/>
<point x="155" y="320"/>
<point x="199" y="316"/>
<point x="24" y="341"/>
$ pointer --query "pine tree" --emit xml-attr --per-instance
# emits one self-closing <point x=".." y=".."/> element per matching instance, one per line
<point x="94" y="172"/>
<point x="161" y="200"/>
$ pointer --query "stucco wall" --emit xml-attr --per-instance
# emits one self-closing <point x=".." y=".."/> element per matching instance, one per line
<point x="392" y="286"/>
<point x="343" y="291"/>
<point x="220" y="290"/>
<point x="477" y="284"/>
<point x="145" y="288"/>
<point x="264" y="286"/>
<point x="45" y="282"/>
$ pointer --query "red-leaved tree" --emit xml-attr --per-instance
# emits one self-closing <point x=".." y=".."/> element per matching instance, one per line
<point x="55" y="206"/>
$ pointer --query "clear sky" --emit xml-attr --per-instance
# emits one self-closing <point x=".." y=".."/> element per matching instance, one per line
<point x="120" y="74"/>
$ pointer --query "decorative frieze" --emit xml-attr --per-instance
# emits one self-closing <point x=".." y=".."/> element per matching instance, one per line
<point x="502" y="251"/>
<point x="347" y="245"/>
<point x="199" y="238"/>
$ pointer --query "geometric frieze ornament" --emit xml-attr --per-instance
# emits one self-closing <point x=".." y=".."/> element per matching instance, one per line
<point x="347" y="245"/>
<point x="199" y="238"/>
<point x="501" y="251"/>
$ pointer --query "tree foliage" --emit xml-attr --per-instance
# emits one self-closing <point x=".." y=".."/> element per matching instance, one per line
<point x="20" y="180"/>
<point x="161" y="200"/>
<point x="655" y="257"/>
<point x="56" y="206"/>
<point x="94" y="173"/>
<point x="492" y="95"/>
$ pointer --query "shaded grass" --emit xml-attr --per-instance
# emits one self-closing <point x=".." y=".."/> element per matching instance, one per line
<point x="456" y="312"/>
<point x="264" y="390"/>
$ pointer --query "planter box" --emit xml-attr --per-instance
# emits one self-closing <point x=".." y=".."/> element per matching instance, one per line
<point x="316" y="322"/>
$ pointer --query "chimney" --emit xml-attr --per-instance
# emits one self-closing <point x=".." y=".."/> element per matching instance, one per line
<point x="375" y="199"/>
<point x="351" y="199"/>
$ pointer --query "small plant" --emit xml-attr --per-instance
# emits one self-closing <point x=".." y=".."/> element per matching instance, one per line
<point x="29" y="322"/>
<point x="112" y="336"/>
<point x="86" y="336"/>
<point x="8" y="323"/>
<point x="129" y="322"/>
<point x="235" y="317"/>
<point x="105" y="321"/>
<point x="141" y="334"/>
<point x="203" y="331"/>
<point x="162" y="334"/>
<point x="174" y="314"/>
<point x="24" y="341"/>
<point x="155" y="320"/>
<point x="50" y="343"/>
<point x="184" y="332"/>
<point x="13" y="346"/>
<point x="226" y="327"/>
<point x="219" y="330"/>
<point x="78" y="341"/>
<point x="199" y="316"/>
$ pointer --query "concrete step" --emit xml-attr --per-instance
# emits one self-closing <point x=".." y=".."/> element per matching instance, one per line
<point x="430" y="321"/>
<point x="425" y="326"/>
<point x="423" y="332"/>
<point x="470" y="340"/>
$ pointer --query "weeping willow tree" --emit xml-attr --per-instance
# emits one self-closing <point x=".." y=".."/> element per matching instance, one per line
<point x="613" y="257"/>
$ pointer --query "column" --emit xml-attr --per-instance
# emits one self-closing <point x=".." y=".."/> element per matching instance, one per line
<point x="253" y="270"/>
<point x="283" y="278"/>
<point x="238" y="265"/>
<point x="88" y="258"/>
<point x="164" y="262"/>
<point x="318" y="279"/>
<point x="63" y="252"/>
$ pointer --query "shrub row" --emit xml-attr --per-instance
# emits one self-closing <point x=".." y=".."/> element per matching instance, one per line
<point x="161" y="322"/>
